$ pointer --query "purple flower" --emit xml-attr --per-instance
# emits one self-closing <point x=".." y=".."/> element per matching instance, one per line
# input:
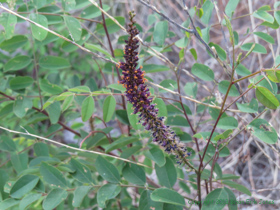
<point x="138" y="95"/>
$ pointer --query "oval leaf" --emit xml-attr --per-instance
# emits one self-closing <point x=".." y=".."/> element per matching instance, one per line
<point x="263" y="131"/>
<point x="251" y="107"/>
<point x="67" y="102"/>
<point x="120" y="143"/>
<point x="266" y="37"/>
<point x="266" y="98"/>
<point x="167" y="196"/>
<point x="50" y="88"/>
<point x="232" y="204"/>
<point x="19" y="161"/>
<point x="41" y="149"/>
<point x="160" y="32"/>
<point x="239" y="187"/>
<point x="168" y="84"/>
<point x="109" y="108"/>
<point x="203" y="72"/>
<point x="133" y="118"/>
<point x="54" y="198"/>
<point x="220" y="51"/>
<point x="227" y="123"/>
<point x="207" y="7"/>
<point x="82" y="172"/>
<point x="153" y="68"/>
<point x="8" y="203"/>
<point x="185" y="187"/>
<point x="93" y="11"/>
<point x="146" y="203"/>
<point x="52" y="175"/>
<point x="223" y="86"/>
<point x="156" y="155"/>
<point x="14" y="43"/>
<point x="7" y="144"/>
<point x="8" y="22"/>
<point x="97" y="48"/>
<point x="17" y="63"/>
<point x="87" y="108"/>
<point x="23" y="185"/>
<point x="80" y="89"/>
<point x="53" y="62"/>
<point x="177" y="121"/>
<point x="231" y="6"/>
<point x="167" y="174"/>
<point x="79" y="195"/>
<point x="19" y="82"/>
<point x="21" y="106"/>
<point x="257" y="49"/>
<point x="68" y="5"/>
<point x="160" y="105"/>
<point x="242" y="70"/>
<point x="263" y="15"/>
<point x="107" y="192"/>
<point x="107" y="170"/>
<point x="112" y="27"/>
<point x="134" y="174"/>
<point x="191" y="89"/>
<point x="29" y="199"/>
<point x="216" y="195"/>
<point x="37" y="32"/>
<point x="54" y="112"/>
<point x="74" y="27"/>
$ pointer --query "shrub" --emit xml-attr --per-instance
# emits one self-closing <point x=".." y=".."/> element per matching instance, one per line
<point x="161" y="124"/>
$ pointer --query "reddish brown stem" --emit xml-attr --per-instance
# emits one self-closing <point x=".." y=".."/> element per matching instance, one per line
<point x="112" y="52"/>
<point x="93" y="132"/>
<point x="243" y="94"/>
<point x="101" y="72"/>
<point x="186" y="116"/>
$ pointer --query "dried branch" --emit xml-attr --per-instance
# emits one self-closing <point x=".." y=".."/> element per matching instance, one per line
<point x="72" y="148"/>
<point x="190" y="99"/>
<point x="56" y="34"/>
<point x="51" y="14"/>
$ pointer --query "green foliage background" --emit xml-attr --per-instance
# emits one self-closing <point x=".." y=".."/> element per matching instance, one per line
<point x="68" y="138"/>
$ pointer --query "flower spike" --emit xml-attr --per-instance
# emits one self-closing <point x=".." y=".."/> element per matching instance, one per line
<point x="139" y="95"/>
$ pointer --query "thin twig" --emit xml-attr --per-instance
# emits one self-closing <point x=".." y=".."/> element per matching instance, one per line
<point x="234" y="136"/>
<point x="158" y="54"/>
<point x="73" y="148"/>
<point x="191" y="99"/>
<point x="266" y="155"/>
<point x="254" y="26"/>
<point x="56" y="34"/>
<point x="113" y="55"/>
<point x="210" y="136"/>
<point x="93" y="132"/>
<point x="164" y="16"/>
<point x="223" y="32"/>
<point x="51" y="14"/>
<point x="213" y="52"/>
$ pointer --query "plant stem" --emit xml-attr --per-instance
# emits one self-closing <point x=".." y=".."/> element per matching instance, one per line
<point x="243" y="94"/>
<point x="113" y="55"/>
<point x="51" y="14"/>
<point x="225" y="144"/>
<point x="212" y="132"/>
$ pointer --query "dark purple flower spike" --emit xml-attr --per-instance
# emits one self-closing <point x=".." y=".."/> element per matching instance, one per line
<point x="138" y="94"/>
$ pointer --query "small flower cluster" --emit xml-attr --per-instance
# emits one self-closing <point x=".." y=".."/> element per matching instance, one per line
<point x="138" y="95"/>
